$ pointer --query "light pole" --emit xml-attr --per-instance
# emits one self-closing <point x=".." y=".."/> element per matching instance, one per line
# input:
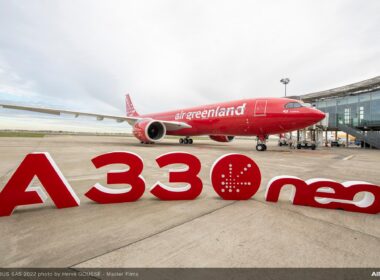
<point x="285" y="81"/>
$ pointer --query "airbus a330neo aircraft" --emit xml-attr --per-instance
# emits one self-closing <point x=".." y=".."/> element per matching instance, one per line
<point x="222" y="121"/>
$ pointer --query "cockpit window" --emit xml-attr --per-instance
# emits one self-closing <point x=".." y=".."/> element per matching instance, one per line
<point x="292" y="105"/>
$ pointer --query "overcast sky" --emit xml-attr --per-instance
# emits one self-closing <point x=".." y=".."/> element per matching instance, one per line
<point x="85" y="55"/>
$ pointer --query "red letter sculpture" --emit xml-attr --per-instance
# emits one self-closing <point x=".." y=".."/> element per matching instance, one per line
<point x="17" y="191"/>
<point x="188" y="175"/>
<point x="325" y="193"/>
<point x="297" y="197"/>
<point x="235" y="177"/>
<point x="131" y="176"/>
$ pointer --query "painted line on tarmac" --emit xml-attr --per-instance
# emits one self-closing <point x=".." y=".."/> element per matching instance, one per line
<point x="349" y="157"/>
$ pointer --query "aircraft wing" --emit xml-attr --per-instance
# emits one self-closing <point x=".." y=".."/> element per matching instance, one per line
<point x="170" y="125"/>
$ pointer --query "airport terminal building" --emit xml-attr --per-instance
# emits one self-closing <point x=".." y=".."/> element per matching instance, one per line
<point x="353" y="109"/>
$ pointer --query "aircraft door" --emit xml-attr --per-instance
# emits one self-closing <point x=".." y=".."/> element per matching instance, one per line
<point x="261" y="108"/>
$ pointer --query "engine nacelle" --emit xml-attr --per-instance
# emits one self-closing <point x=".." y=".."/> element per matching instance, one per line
<point x="148" y="130"/>
<point x="222" y="138"/>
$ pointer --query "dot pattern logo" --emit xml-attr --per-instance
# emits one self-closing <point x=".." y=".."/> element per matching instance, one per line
<point x="235" y="177"/>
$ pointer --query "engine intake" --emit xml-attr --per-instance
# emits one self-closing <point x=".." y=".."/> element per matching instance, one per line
<point x="148" y="130"/>
<point x="222" y="138"/>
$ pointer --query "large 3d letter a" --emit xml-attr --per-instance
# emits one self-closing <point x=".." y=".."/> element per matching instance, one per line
<point x="41" y="165"/>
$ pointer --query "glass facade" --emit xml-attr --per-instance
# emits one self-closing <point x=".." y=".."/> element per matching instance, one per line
<point x="362" y="110"/>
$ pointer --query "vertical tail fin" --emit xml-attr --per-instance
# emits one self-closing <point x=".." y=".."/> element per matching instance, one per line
<point x="131" y="112"/>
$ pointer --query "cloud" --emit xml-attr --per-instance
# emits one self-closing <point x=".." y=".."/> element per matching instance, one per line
<point x="172" y="54"/>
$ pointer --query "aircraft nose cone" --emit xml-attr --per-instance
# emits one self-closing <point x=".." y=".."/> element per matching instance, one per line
<point x="319" y="115"/>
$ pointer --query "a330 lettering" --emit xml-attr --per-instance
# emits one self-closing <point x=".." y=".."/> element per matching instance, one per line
<point x="233" y="177"/>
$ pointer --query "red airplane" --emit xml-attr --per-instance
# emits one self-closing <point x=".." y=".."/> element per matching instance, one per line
<point x="221" y="121"/>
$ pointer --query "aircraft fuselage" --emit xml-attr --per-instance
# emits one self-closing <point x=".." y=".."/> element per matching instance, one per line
<point x="246" y="117"/>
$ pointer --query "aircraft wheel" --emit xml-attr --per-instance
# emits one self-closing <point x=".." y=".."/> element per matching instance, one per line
<point x="260" y="147"/>
<point x="181" y="140"/>
<point x="313" y="146"/>
<point x="185" y="141"/>
<point x="299" y="146"/>
<point x="190" y="141"/>
<point x="265" y="147"/>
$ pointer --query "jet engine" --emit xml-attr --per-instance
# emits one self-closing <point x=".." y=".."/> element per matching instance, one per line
<point x="221" y="138"/>
<point x="149" y="131"/>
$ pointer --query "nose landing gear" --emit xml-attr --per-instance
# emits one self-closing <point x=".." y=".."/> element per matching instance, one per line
<point x="261" y="146"/>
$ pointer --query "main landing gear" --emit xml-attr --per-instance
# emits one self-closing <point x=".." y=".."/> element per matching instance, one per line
<point x="261" y="140"/>
<point x="186" y="140"/>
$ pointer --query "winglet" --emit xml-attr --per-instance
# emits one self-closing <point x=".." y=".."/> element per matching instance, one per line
<point x="130" y="109"/>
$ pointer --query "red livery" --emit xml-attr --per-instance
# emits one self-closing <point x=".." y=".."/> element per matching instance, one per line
<point x="221" y="121"/>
